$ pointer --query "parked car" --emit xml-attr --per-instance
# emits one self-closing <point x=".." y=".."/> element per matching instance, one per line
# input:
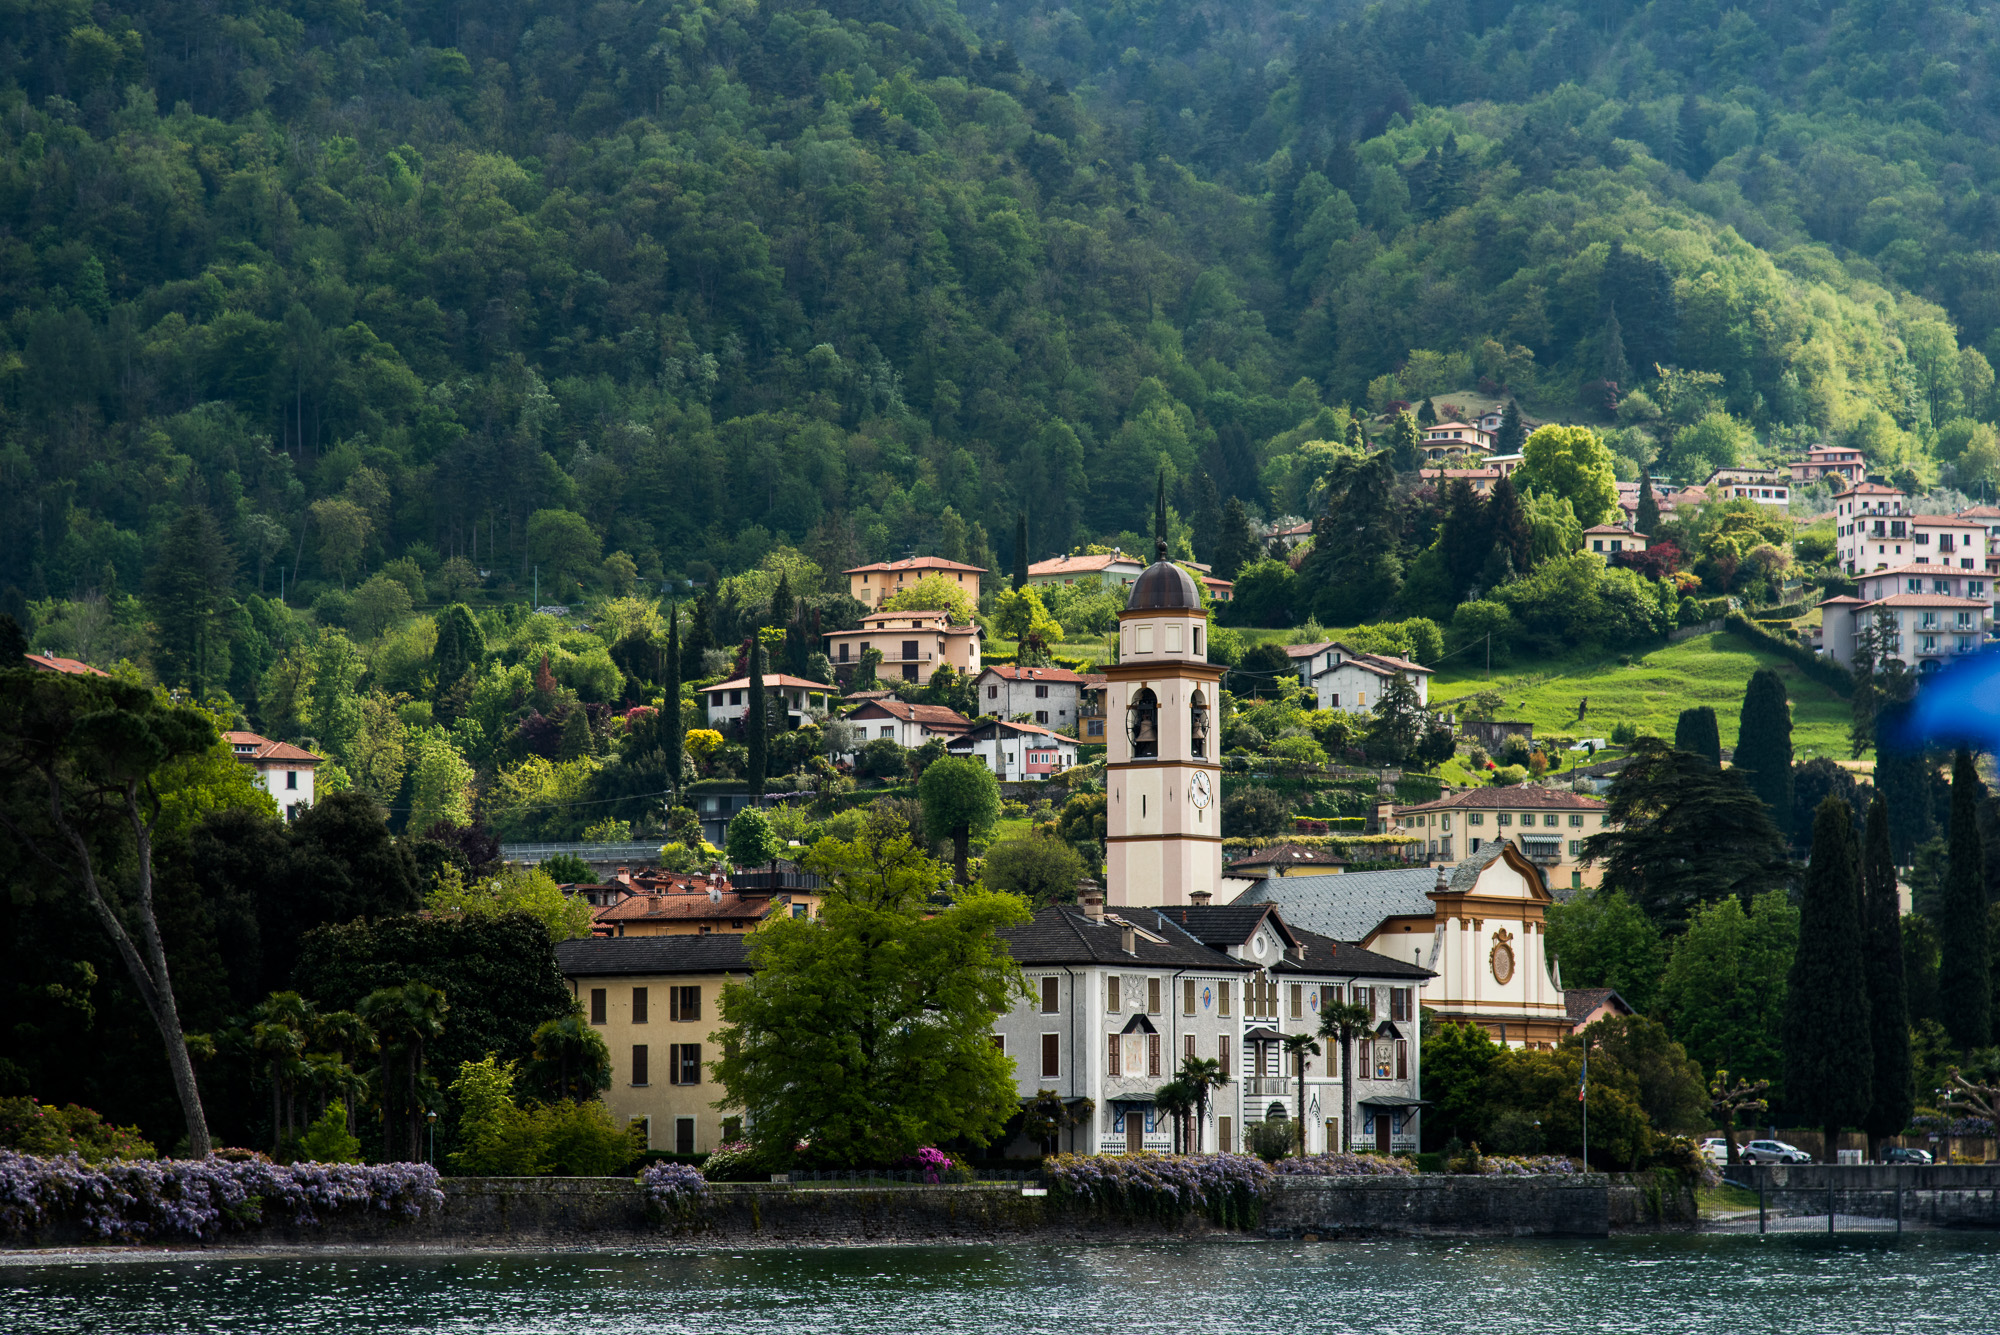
<point x="1904" y="1154"/>
<point x="1716" y="1150"/>
<point x="1773" y="1151"/>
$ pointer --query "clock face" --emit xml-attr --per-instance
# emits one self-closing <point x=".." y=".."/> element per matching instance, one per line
<point x="1198" y="791"/>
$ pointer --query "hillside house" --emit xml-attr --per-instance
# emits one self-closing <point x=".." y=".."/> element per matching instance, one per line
<point x="1015" y="751"/>
<point x="913" y="645"/>
<point x="1049" y="696"/>
<point x="907" y="725"/>
<point x="283" y="770"/>
<point x="1112" y="569"/>
<point x="1608" y="540"/>
<point x="800" y="698"/>
<point x="872" y="585"/>
<point x="1547" y="826"/>
<point x="1341" y="678"/>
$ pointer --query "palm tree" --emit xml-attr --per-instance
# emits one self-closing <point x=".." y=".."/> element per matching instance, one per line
<point x="1345" y="1021"/>
<point x="403" y="1018"/>
<point x="1202" y="1074"/>
<point x="1176" y="1098"/>
<point x="1298" y="1047"/>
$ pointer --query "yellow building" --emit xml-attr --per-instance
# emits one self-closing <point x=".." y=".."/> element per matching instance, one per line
<point x="656" y="1001"/>
<point x="912" y="644"/>
<point x="1545" y="825"/>
<point x="871" y="585"/>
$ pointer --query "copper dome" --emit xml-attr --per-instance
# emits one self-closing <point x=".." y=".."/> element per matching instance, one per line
<point x="1164" y="587"/>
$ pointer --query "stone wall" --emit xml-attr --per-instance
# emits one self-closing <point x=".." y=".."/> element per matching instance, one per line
<point x="1442" y="1206"/>
<point x="1941" y="1196"/>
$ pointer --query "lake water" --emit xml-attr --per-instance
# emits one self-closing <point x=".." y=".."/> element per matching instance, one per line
<point x="1945" y="1283"/>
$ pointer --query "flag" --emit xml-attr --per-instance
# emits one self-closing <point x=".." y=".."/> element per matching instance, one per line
<point x="1582" y="1077"/>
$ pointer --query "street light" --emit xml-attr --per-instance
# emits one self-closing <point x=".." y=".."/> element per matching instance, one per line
<point x="430" y="1120"/>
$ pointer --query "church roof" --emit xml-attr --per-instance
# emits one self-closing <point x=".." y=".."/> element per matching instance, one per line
<point x="1347" y="907"/>
<point x="1164" y="587"/>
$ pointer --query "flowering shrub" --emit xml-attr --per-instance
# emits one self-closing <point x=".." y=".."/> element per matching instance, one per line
<point x="1345" y="1165"/>
<point x="734" y="1161"/>
<point x="1229" y="1189"/>
<point x="674" y="1190"/>
<point x="936" y="1166"/>
<point x="1525" y="1165"/>
<point x="196" y="1198"/>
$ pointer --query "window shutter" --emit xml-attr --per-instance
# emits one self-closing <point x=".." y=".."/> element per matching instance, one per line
<point x="1111" y="998"/>
<point x="638" y="1005"/>
<point x="691" y="1003"/>
<point x="673" y="1063"/>
<point x="639" y="1071"/>
<point x="1187" y="1002"/>
<point x="1189" y="1045"/>
<point x="1402" y="1059"/>
<point x="1114" y="1060"/>
<point x="1152" y="996"/>
<point x="1051" y="1056"/>
<point x="674" y="1004"/>
<point x="1222" y="998"/>
<point x="1298" y="1001"/>
<point x="1222" y="1053"/>
<point x="1152" y="1054"/>
<point x="1049" y="996"/>
<point x="597" y="1005"/>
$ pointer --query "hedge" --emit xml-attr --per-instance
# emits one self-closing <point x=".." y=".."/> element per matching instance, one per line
<point x="1822" y="670"/>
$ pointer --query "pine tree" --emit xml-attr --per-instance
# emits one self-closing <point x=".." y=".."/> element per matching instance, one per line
<point x="1427" y="415"/>
<point x="1466" y="536"/>
<point x="1021" y="550"/>
<point x="1404" y="441"/>
<point x="1964" y="971"/>
<point x="1764" y="744"/>
<point x="460" y="646"/>
<point x="1355" y="440"/>
<point x="670" y="707"/>
<point x="1893" y="1094"/>
<point x="700" y="636"/>
<point x="756" y="720"/>
<point x="1513" y="432"/>
<point x="1904" y="777"/>
<point x="1647" y="520"/>
<point x="1697" y="733"/>
<point x="187" y="593"/>
<point x="1829" y="1060"/>
<point x="1237" y="543"/>
<point x="1615" y="369"/>
<point x="1508" y="523"/>
<point x="576" y="738"/>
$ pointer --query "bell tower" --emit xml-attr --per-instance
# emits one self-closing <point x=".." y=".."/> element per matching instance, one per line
<point x="1163" y="777"/>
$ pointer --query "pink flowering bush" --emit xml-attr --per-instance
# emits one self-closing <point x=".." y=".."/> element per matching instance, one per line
<point x="674" y="1191"/>
<point x="936" y="1166"/>
<point x="197" y="1198"/>
<point x="1230" y="1189"/>
<point x="1345" y="1165"/>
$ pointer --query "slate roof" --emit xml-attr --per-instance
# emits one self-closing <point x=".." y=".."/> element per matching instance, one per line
<point x="1326" y="955"/>
<point x="1224" y="925"/>
<point x="1347" y="907"/>
<point x="1581" y="1001"/>
<point x="603" y="956"/>
<point x="1064" y="934"/>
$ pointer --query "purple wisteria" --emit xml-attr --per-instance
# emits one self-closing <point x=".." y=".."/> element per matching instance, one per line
<point x="674" y="1190"/>
<point x="1526" y="1165"/>
<point x="1345" y="1165"/>
<point x="165" y="1199"/>
<point x="1228" y="1188"/>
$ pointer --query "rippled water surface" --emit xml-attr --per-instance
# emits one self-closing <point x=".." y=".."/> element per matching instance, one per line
<point x="1942" y="1283"/>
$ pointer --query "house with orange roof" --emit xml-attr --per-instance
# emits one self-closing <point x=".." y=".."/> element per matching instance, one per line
<point x="1547" y="826"/>
<point x="68" y="666"/>
<point x="905" y="724"/>
<point x="1446" y="439"/>
<point x="285" y="771"/>
<point x="728" y="701"/>
<point x="1015" y="751"/>
<point x="1608" y="540"/>
<point x="1113" y="569"/>
<point x="872" y="585"/>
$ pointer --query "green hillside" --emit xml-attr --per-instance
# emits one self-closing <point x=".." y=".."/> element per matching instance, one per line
<point x="1652" y="689"/>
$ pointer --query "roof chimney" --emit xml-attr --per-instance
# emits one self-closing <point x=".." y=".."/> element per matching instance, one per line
<point x="1200" y="898"/>
<point x="1128" y="939"/>
<point x="1298" y="953"/>
<point x="1091" y="896"/>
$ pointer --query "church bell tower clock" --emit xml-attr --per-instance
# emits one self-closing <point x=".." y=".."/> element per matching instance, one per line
<point x="1163" y="816"/>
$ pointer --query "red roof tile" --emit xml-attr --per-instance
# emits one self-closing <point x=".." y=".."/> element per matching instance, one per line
<point x="68" y="666"/>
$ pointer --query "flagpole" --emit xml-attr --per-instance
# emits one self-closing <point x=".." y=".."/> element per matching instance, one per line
<point x="1582" y="1097"/>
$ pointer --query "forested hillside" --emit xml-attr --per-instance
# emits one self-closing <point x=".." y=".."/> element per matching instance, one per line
<point x="369" y="283"/>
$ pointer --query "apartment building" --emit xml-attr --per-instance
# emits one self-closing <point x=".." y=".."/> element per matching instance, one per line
<point x="913" y="645"/>
<point x="872" y="585"/>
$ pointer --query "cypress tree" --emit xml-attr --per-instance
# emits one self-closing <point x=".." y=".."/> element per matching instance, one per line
<point x="1615" y="369"/>
<point x="1893" y="1093"/>
<point x="1427" y="415"/>
<point x="1964" y="971"/>
<point x="1160" y="509"/>
<point x="670" y="708"/>
<point x="1513" y="434"/>
<point x="1021" y="550"/>
<point x="1508" y="522"/>
<point x="1647" y="519"/>
<point x="1697" y="734"/>
<point x="1829" y="1061"/>
<point x="1904" y="776"/>
<point x="1764" y="744"/>
<point x="187" y="593"/>
<point x="756" y="719"/>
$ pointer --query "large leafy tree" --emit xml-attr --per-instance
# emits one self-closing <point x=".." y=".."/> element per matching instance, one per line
<point x="1964" y="970"/>
<point x="960" y="798"/>
<point x="867" y="1032"/>
<point x="1829" y="1058"/>
<point x="1680" y="832"/>
<point x="84" y="759"/>
<point x="1603" y="940"/>
<point x="1723" y="994"/>
<point x="1572" y="463"/>
<point x="1892" y="1090"/>
<point x="1764" y="744"/>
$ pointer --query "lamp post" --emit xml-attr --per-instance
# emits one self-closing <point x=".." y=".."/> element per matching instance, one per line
<point x="430" y="1123"/>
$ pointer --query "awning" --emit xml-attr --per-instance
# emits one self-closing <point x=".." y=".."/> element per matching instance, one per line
<point x="1392" y="1101"/>
<point x="1263" y="1034"/>
<point x="1135" y="1100"/>
<point x="1387" y="1030"/>
<point x="1138" y="1024"/>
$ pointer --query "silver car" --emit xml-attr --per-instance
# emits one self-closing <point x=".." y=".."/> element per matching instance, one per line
<point x="1773" y="1151"/>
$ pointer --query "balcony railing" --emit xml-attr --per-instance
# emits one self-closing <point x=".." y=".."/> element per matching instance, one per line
<point x="1547" y="851"/>
<point x="1260" y="1086"/>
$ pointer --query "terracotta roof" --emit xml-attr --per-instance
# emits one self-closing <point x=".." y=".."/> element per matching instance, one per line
<point x="1052" y="675"/>
<point x="1307" y="650"/>
<point x="1842" y="601"/>
<point x="251" y="747"/>
<point x="1946" y="521"/>
<point x="612" y="956"/>
<point x="1914" y="568"/>
<point x="918" y="563"/>
<point x="1926" y="600"/>
<point x="686" y="907"/>
<point x="979" y="732"/>
<point x="938" y="718"/>
<point x="1619" y="529"/>
<point x="1869" y="489"/>
<point x="1981" y="512"/>
<point x="1520" y="796"/>
<point x="1467" y="426"/>
<point x="1085" y="565"/>
<point x="68" y="666"/>
<point x="1461" y="472"/>
<point x="770" y="680"/>
<point x="1581" y="1001"/>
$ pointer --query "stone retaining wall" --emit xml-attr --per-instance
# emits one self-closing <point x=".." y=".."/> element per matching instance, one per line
<point x="1442" y="1206"/>
<point x="1940" y="1196"/>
